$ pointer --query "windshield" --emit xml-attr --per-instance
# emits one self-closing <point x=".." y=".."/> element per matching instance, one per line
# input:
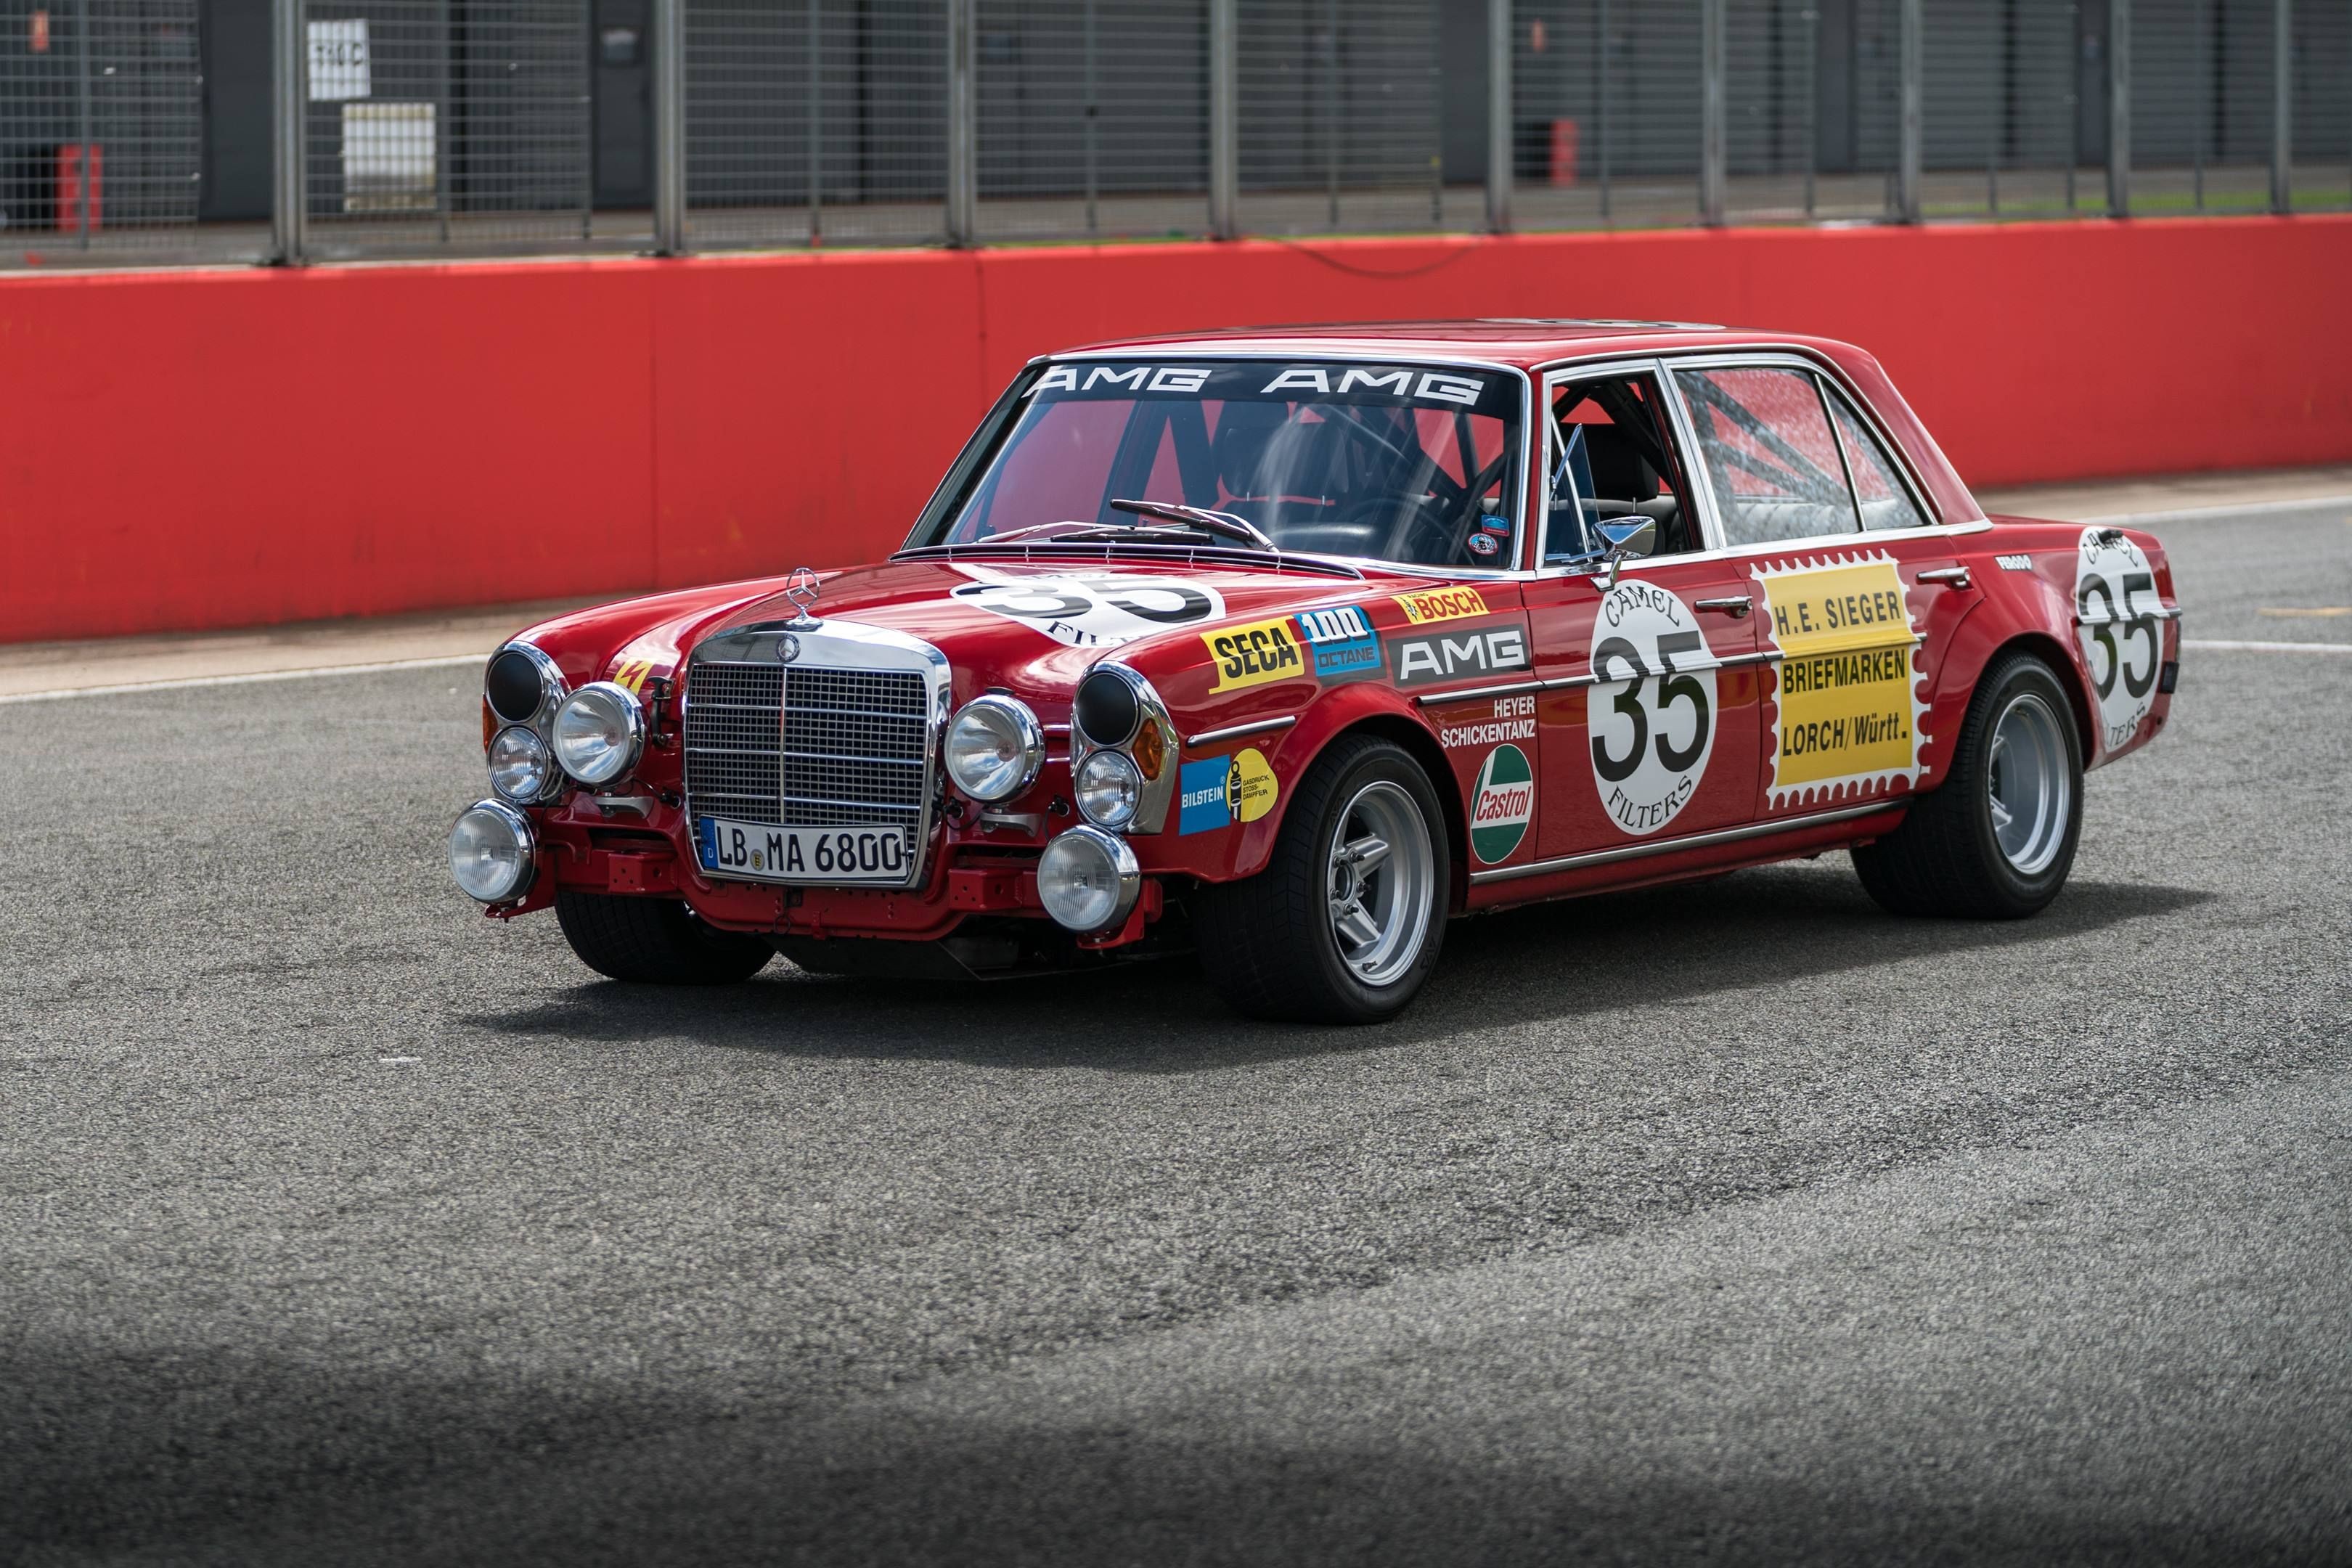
<point x="1393" y="462"/>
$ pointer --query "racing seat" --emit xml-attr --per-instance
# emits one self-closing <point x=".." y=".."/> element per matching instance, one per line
<point x="1625" y="483"/>
<point x="1276" y="471"/>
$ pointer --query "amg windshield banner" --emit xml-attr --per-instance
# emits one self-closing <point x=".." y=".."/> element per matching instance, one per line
<point x="1332" y="382"/>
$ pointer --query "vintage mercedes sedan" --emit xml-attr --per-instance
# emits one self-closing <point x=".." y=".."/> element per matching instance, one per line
<point x="1291" y="647"/>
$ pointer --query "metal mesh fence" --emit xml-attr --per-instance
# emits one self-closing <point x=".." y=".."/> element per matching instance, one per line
<point x="486" y="126"/>
<point x="1606" y="101"/>
<point x="101" y="115"/>
<point x="1093" y="117"/>
<point x="1342" y="118"/>
<point x="817" y="122"/>
<point x="462" y="124"/>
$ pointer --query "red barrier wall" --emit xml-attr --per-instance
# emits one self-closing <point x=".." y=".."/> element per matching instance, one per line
<point x="193" y="449"/>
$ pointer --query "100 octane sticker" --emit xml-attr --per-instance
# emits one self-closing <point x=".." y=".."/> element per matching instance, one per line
<point x="1847" y="712"/>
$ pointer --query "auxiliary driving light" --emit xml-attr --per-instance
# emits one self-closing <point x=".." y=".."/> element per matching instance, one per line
<point x="600" y="732"/>
<point x="491" y="852"/>
<point x="1087" y="880"/>
<point x="994" y="748"/>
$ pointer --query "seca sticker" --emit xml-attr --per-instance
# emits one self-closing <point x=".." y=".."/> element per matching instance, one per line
<point x="2116" y="608"/>
<point x="1093" y="609"/>
<point x="1254" y="653"/>
<point x="1846" y="710"/>
<point x="1651" y="710"/>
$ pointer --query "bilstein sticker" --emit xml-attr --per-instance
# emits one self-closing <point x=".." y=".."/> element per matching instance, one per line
<point x="1340" y="642"/>
<point x="1442" y="605"/>
<point x="1651" y="711"/>
<point x="1253" y="654"/>
<point x="2115" y="607"/>
<point x="1847" y="712"/>
<point x="1503" y="804"/>
<point x="1218" y="792"/>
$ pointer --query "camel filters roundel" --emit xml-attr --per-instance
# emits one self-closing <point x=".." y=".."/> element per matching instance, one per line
<point x="1503" y="806"/>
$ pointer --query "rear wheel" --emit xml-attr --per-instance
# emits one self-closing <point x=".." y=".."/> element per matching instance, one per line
<point x="1344" y="923"/>
<point x="655" y="942"/>
<point x="1996" y="840"/>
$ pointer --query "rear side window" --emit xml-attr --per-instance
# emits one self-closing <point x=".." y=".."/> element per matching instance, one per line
<point x="1885" y="502"/>
<point x="1764" y="435"/>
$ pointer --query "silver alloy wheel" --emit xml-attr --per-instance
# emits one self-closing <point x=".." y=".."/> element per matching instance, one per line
<point x="1381" y="882"/>
<point x="2029" y="783"/>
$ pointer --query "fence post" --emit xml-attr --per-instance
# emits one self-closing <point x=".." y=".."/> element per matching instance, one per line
<point x="1911" y="47"/>
<point x="1711" y="112"/>
<point x="1224" y="121"/>
<point x="290" y="95"/>
<point x="963" y="140"/>
<point x="2281" y="106"/>
<point x="82" y="41"/>
<point x="669" y="127"/>
<point x="2119" y="77"/>
<point x="1500" y="117"/>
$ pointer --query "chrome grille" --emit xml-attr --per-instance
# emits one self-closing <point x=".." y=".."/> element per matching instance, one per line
<point x="847" y="749"/>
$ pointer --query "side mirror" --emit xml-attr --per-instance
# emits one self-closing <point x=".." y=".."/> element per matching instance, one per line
<point x="1629" y="539"/>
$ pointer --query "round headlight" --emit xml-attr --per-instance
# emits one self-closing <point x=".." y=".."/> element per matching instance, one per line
<point x="490" y="852"/>
<point x="1108" y="789"/>
<point x="1107" y="707"/>
<point x="994" y="748"/>
<point x="519" y="764"/>
<point x="1087" y="880"/>
<point x="599" y="732"/>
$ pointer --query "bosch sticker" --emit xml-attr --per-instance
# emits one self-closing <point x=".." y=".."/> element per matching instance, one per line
<point x="1846" y="716"/>
<point x="2116" y="612"/>
<point x="1253" y="654"/>
<point x="1218" y="792"/>
<point x="1339" y="642"/>
<point x="1442" y="605"/>
<point x="1092" y="609"/>
<point x="1503" y="804"/>
<point x="1651" y="711"/>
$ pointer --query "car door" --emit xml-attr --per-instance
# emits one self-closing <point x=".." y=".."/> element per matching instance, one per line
<point x="1856" y="594"/>
<point x="1646" y="719"/>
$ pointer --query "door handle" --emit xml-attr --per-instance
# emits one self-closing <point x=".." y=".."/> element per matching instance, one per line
<point x="1736" y="608"/>
<point x="1951" y="576"/>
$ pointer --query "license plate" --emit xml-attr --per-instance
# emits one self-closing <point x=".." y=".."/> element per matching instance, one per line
<point x="763" y="852"/>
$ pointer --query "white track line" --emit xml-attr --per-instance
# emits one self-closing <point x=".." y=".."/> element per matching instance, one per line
<point x="445" y="661"/>
<point x="2207" y="513"/>
<point x="2208" y="645"/>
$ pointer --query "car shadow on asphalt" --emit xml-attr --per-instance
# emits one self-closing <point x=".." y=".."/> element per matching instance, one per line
<point x="1559" y="963"/>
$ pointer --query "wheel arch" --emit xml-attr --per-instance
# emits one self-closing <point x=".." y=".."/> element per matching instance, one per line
<point x="2053" y="652"/>
<point x="1422" y="746"/>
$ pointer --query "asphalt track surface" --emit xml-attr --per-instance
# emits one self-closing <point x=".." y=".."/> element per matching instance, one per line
<point x="1738" y="1222"/>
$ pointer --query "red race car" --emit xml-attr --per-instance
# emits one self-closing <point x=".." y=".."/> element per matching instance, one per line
<point x="1289" y="645"/>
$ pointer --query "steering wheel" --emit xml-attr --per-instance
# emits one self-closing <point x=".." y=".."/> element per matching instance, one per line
<point x="1417" y="531"/>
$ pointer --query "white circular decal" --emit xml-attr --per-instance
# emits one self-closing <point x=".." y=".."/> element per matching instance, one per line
<point x="1651" y="711"/>
<point x="2115" y="607"/>
<point x="1095" y="609"/>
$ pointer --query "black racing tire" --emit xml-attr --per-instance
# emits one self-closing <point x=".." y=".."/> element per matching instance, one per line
<point x="1269" y="942"/>
<point x="1946" y="858"/>
<point x="655" y="942"/>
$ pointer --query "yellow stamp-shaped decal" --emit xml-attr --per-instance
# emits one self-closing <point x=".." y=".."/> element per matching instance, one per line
<point x="1253" y="654"/>
<point x="1848" y="710"/>
<point x="1442" y="605"/>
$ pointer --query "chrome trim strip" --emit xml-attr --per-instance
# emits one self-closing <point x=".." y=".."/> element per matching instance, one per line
<point x="1470" y="693"/>
<point x="1693" y="841"/>
<point x="1235" y="732"/>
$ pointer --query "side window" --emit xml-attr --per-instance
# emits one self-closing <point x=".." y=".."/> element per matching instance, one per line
<point x="1885" y="502"/>
<point x="1765" y="439"/>
<point x="1608" y="455"/>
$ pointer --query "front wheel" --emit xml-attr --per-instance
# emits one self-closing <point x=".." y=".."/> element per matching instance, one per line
<point x="655" y="942"/>
<point x="1345" y="921"/>
<point x="1996" y="840"/>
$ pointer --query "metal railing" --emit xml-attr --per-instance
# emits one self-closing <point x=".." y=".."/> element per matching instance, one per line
<point x="137" y="131"/>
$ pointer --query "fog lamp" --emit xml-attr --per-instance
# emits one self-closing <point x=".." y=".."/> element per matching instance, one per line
<point x="1087" y="880"/>
<point x="491" y="852"/>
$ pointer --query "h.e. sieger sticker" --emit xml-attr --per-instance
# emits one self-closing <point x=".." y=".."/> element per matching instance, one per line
<point x="1846" y="715"/>
<point x="1091" y="609"/>
<point x="1651" y="710"/>
<point x="2116" y="613"/>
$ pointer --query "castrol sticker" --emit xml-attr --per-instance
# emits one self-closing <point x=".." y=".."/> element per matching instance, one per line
<point x="1847" y="712"/>
<point x="1650" y="711"/>
<point x="2118" y="617"/>
<point x="1503" y="804"/>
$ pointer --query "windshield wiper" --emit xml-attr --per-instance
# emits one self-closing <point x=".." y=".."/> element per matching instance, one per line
<point x="1201" y="518"/>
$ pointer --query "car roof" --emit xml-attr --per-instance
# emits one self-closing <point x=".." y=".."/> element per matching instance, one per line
<point x="1523" y="340"/>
